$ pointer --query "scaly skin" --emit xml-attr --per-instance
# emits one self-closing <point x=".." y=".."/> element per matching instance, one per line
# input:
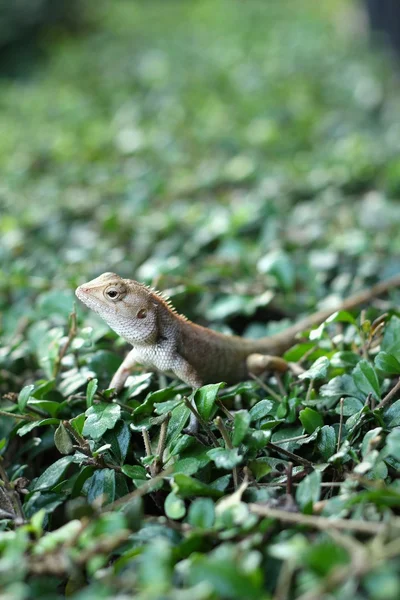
<point x="166" y="341"/>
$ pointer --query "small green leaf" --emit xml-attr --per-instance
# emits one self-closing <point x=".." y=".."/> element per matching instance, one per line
<point x="52" y="540"/>
<point x="62" y="440"/>
<point x="318" y="370"/>
<point x="393" y="443"/>
<point x="261" y="409"/>
<point x="32" y="424"/>
<point x="391" y="338"/>
<point x="90" y="392"/>
<point x="205" y="399"/>
<point x="53" y="474"/>
<point x="345" y="359"/>
<point x="174" y="506"/>
<point x="241" y="425"/>
<point x="100" y="417"/>
<point x="202" y="513"/>
<point x="351" y="406"/>
<point x="101" y="483"/>
<point x="225" y="458"/>
<point x="327" y="441"/>
<point x="187" y="487"/>
<point x="309" y="490"/>
<point x="387" y="363"/>
<point x="310" y="419"/>
<point x="136" y="472"/>
<point x="341" y="316"/>
<point x="366" y="379"/>
<point x="24" y="396"/>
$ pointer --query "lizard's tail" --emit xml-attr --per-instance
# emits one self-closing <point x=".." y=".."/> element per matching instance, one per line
<point x="277" y="344"/>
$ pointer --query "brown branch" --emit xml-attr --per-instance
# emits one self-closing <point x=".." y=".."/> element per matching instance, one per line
<point x="293" y="457"/>
<point x="323" y="523"/>
<point x="389" y="397"/>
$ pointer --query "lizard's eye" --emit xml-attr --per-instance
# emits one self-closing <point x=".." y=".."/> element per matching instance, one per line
<point x="112" y="294"/>
<point x="142" y="313"/>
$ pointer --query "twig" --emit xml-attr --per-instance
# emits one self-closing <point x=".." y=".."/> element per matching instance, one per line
<point x="389" y="397"/>
<point x="200" y="419"/>
<point x="228" y="414"/>
<point x="4" y="413"/>
<point x="323" y="523"/>
<point x="279" y="383"/>
<point x="266" y="387"/>
<point x="81" y="441"/>
<point x="220" y="424"/>
<point x="339" y="440"/>
<point x="293" y="439"/>
<point x="309" y="390"/>
<point x="64" y="348"/>
<point x="146" y="440"/>
<point x="293" y="457"/>
<point x="161" y="445"/>
<point x="289" y="480"/>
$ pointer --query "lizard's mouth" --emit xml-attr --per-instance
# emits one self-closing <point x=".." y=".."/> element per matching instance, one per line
<point x="87" y="298"/>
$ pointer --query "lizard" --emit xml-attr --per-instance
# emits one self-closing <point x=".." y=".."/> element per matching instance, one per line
<point x="166" y="341"/>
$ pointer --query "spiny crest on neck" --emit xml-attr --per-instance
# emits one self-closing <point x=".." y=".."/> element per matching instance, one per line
<point x="163" y="298"/>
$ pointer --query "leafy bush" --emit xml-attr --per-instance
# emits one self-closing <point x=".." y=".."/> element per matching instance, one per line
<point x="245" y="158"/>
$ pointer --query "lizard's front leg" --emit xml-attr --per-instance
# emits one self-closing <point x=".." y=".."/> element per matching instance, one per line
<point x="123" y="372"/>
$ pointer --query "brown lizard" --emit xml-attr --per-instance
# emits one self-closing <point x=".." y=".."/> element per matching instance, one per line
<point x="166" y="341"/>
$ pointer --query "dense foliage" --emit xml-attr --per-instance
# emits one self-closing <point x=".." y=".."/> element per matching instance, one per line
<point x="245" y="157"/>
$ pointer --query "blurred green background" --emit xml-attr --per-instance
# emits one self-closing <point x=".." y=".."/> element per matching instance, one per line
<point x="219" y="148"/>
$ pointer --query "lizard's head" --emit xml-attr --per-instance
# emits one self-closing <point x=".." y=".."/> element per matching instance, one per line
<point x="127" y="306"/>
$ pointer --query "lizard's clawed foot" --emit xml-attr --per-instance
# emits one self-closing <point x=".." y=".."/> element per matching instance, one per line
<point x="260" y="363"/>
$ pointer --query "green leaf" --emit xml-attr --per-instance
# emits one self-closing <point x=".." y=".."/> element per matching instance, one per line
<point x="387" y="363"/>
<point x="341" y="316"/>
<point x="310" y="419"/>
<point x="351" y="406"/>
<point x="392" y="414"/>
<point x="225" y="458"/>
<point x="318" y="370"/>
<point x="202" y="513"/>
<point x="100" y="417"/>
<point x="279" y="264"/>
<point x="52" y="540"/>
<point x="174" y="506"/>
<point x="53" y="474"/>
<point x="32" y="424"/>
<point x="90" y="391"/>
<point x="345" y="359"/>
<point x="241" y="425"/>
<point x="308" y="491"/>
<point x="137" y="473"/>
<point x="326" y="441"/>
<point x="24" y="396"/>
<point x="101" y="483"/>
<point x="119" y="437"/>
<point x="391" y="338"/>
<point x="187" y="487"/>
<point x="62" y="440"/>
<point x="188" y="465"/>
<point x="225" y="577"/>
<point x="393" y="443"/>
<point x="261" y="409"/>
<point x="205" y="399"/>
<point x="366" y="379"/>
<point x="343" y="385"/>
